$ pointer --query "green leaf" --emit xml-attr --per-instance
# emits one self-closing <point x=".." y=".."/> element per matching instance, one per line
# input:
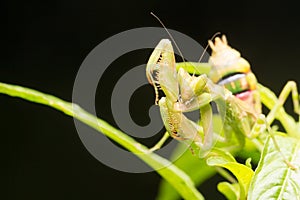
<point x="195" y="168"/>
<point x="220" y="156"/>
<point x="241" y="172"/>
<point x="230" y="191"/>
<point x="273" y="179"/>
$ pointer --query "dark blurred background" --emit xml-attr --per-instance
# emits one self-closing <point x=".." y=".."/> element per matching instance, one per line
<point x="44" y="44"/>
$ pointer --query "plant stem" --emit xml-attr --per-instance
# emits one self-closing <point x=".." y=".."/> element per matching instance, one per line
<point x="176" y="177"/>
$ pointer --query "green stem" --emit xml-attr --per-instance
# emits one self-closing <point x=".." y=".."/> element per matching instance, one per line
<point x="194" y="67"/>
<point x="176" y="177"/>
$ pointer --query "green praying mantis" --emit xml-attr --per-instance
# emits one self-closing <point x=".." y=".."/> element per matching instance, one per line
<point x="230" y="84"/>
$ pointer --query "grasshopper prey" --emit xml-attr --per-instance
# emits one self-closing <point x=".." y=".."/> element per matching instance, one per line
<point x="230" y="84"/>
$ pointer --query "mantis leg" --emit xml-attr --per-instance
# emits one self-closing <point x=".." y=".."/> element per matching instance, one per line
<point x="290" y="87"/>
<point x="206" y="145"/>
<point x="177" y="124"/>
<point x="206" y="120"/>
<point x="161" y="142"/>
<point x="264" y="123"/>
<point x="182" y="128"/>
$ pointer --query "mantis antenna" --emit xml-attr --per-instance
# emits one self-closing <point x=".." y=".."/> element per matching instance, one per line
<point x="213" y="37"/>
<point x="217" y="33"/>
<point x="168" y="34"/>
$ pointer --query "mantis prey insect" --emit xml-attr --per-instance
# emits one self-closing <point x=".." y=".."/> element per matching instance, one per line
<point x="230" y="84"/>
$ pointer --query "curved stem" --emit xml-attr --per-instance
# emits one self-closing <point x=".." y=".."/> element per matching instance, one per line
<point x="176" y="177"/>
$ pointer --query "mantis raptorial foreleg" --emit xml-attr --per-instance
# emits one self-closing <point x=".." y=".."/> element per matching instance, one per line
<point x="161" y="71"/>
<point x="181" y="128"/>
<point x="183" y="93"/>
<point x="177" y="124"/>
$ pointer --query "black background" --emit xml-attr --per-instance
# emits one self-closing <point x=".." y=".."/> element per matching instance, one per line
<point x="43" y="46"/>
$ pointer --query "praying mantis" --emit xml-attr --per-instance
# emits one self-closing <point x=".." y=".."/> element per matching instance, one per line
<point x="230" y="84"/>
